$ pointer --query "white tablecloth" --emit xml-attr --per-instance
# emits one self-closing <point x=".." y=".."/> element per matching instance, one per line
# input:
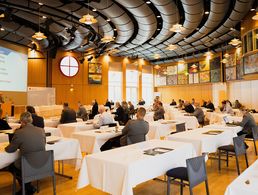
<point x="215" y="117"/>
<point x="92" y="140"/>
<point x="54" y="121"/>
<point x="14" y="125"/>
<point x="53" y="131"/>
<point x="239" y="186"/>
<point x="203" y="142"/>
<point x="161" y="128"/>
<point x="235" y="129"/>
<point x="64" y="149"/>
<point x="117" y="171"/>
<point x="68" y="128"/>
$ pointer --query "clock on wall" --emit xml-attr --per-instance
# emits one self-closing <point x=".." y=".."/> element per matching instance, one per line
<point x="69" y="66"/>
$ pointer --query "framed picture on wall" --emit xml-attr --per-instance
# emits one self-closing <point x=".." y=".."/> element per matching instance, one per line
<point x="215" y="76"/>
<point x="215" y="63"/>
<point x="172" y="79"/>
<point x="171" y="70"/>
<point x="95" y="73"/>
<point x="205" y="77"/>
<point x="204" y="66"/>
<point x="251" y="64"/>
<point x="231" y="73"/>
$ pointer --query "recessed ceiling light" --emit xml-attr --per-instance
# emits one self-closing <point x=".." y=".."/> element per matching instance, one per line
<point x="115" y="29"/>
<point x="197" y="29"/>
<point x="206" y="13"/>
<point x="232" y="28"/>
<point x="158" y="16"/>
<point x="41" y="3"/>
<point x="44" y="17"/>
<point x="108" y="20"/>
<point x="252" y="9"/>
<point x="158" y="29"/>
<point x="148" y="2"/>
<point x="94" y="9"/>
<point x="2" y="29"/>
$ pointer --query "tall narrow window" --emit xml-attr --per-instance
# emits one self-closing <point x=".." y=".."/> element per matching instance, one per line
<point x="147" y="85"/>
<point x="132" y="83"/>
<point x="115" y="82"/>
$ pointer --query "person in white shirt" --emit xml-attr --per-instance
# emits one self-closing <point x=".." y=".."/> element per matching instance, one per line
<point x="228" y="108"/>
<point x="103" y="118"/>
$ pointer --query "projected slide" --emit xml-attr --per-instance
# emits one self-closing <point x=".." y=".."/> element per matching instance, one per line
<point x="13" y="70"/>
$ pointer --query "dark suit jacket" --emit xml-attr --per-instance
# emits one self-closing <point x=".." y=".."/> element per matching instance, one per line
<point x="189" y="108"/>
<point x="68" y="116"/>
<point x="4" y="125"/>
<point x="108" y="104"/>
<point x="95" y="110"/>
<point x="27" y="139"/>
<point x="120" y="114"/>
<point x="38" y="121"/>
<point x="210" y="106"/>
<point x="134" y="132"/>
<point x="173" y="103"/>
<point x="247" y="123"/>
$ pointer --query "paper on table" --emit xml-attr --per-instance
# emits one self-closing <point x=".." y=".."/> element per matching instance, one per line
<point x="213" y="132"/>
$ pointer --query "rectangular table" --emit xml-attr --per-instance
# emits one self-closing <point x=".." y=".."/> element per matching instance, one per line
<point x="68" y="128"/>
<point x="235" y="129"/>
<point x="240" y="185"/>
<point x="64" y="149"/>
<point x="202" y="142"/>
<point x="118" y="170"/>
<point x="92" y="140"/>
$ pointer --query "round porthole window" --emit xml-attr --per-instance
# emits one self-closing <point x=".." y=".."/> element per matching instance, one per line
<point x="69" y="66"/>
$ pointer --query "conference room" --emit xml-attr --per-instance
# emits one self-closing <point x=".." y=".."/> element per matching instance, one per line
<point x="129" y="97"/>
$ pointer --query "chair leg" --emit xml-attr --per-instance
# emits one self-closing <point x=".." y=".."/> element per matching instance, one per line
<point x="54" y="184"/>
<point x="14" y="184"/>
<point x="181" y="187"/>
<point x="219" y="159"/>
<point x="255" y="147"/>
<point x="238" y="171"/>
<point x="37" y="186"/>
<point x="207" y="187"/>
<point x="23" y="188"/>
<point x="227" y="158"/>
<point x="191" y="190"/>
<point x="246" y="160"/>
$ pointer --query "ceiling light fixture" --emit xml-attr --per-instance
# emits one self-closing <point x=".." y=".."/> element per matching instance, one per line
<point x="157" y="67"/>
<point x="156" y="56"/>
<point x="208" y="54"/>
<point x="94" y="9"/>
<point x="107" y="39"/>
<point x="108" y="20"/>
<point x="206" y="13"/>
<point x="177" y="28"/>
<point x="44" y="17"/>
<point x="2" y="29"/>
<point x="226" y="55"/>
<point x="88" y="19"/>
<point x="158" y="16"/>
<point x="171" y="47"/>
<point x="2" y="15"/>
<point x="148" y="2"/>
<point x="255" y="17"/>
<point x="224" y="61"/>
<point x="39" y="35"/>
<point x="252" y="9"/>
<point x="235" y="42"/>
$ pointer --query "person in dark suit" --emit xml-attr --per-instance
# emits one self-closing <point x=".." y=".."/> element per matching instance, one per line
<point x="188" y="107"/>
<point x="68" y="115"/>
<point x="210" y="105"/>
<point x="82" y="112"/>
<point x="119" y="113"/>
<point x="37" y="121"/>
<point x="3" y="123"/>
<point x="94" y="110"/>
<point x="27" y="139"/>
<point x="173" y="103"/>
<point x="198" y="113"/>
<point x="158" y="111"/>
<point x="108" y="104"/>
<point x="134" y="132"/>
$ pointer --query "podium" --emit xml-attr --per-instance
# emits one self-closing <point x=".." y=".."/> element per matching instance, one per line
<point x="7" y="108"/>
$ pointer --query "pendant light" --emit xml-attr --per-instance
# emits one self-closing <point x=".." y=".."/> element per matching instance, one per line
<point x="88" y="19"/>
<point x="177" y="27"/>
<point x="39" y="35"/>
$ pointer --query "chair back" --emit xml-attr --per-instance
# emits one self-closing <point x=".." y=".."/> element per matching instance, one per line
<point x="239" y="145"/>
<point x="37" y="165"/>
<point x="196" y="170"/>
<point x="112" y="124"/>
<point x="255" y="133"/>
<point x="180" y="127"/>
<point x="47" y="134"/>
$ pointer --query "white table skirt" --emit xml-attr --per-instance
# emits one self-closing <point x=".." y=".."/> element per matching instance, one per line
<point x="54" y="131"/>
<point x="203" y="142"/>
<point x="68" y="128"/>
<point x="91" y="141"/>
<point x="54" y="121"/>
<point x="239" y="187"/>
<point x="64" y="149"/>
<point x="235" y="129"/>
<point x="117" y="171"/>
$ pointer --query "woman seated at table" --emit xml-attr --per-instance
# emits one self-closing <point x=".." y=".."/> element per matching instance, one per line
<point x="103" y="118"/>
<point x="134" y="132"/>
<point x="3" y="123"/>
<point x="228" y="108"/>
<point x="158" y="111"/>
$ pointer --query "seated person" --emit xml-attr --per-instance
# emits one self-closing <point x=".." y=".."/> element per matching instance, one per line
<point x="37" y="121"/>
<point x="141" y="102"/>
<point x="173" y="103"/>
<point x="68" y="115"/>
<point x="103" y="118"/>
<point x="131" y="109"/>
<point x="204" y="103"/>
<point x="119" y="113"/>
<point x="94" y="109"/>
<point x="198" y="113"/>
<point x="237" y="104"/>
<point x="180" y="104"/>
<point x="3" y="123"/>
<point x="210" y="105"/>
<point x="82" y="112"/>
<point x="188" y="107"/>
<point x="27" y="139"/>
<point x="158" y="111"/>
<point x="247" y="123"/>
<point x="228" y="108"/>
<point x="108" y="104"/>
<point x="134" y="132"/>
<point x="126" y="112"/>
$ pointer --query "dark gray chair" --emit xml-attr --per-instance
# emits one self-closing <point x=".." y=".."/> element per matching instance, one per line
<point x="179" y="128"/>
<point x="193" y="174"/>
<point x="36" y="166"/>
<point x="237" y="149"/>
<point x="253" y="137"/>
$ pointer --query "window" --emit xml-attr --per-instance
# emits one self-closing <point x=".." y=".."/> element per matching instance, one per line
<point x="147" y="88"/>
<point x="132" y="86"/>
<point x="115" y="86"/>
<point x="69" y="66"/>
